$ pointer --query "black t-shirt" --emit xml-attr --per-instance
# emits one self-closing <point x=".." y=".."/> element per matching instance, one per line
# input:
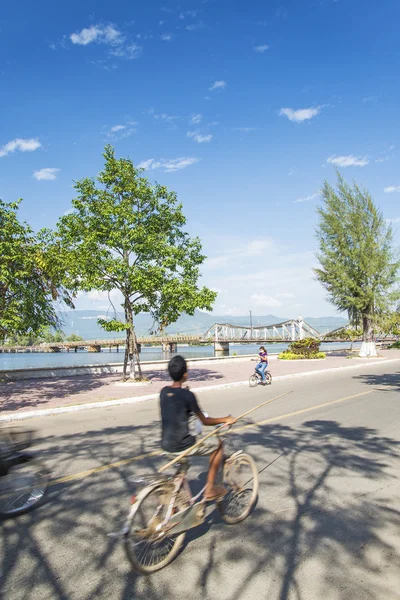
<point x="177" y="405"/>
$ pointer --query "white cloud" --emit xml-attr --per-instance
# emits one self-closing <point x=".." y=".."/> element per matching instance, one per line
<point x="108" y="34"/>
<point x="392" y="188"/>
<point x="167" y="165"/>
<point x="307" y="198"/>
<point x="196" y="119"/>
<point x="246" y="129"/>
<point x="265" y="301"/>
<point x="301" y="114"/>
<point x="254" y="248"/>
<point x="188" y="13"/>
<point x="105" y="317"/>
<point x="195" y="26"/>
<point x="130" y="52"/>
<point x="257" y="247"/>
<point x="47" y="174"/>
<point x="166" y="37"/>
<point x="23" y="145"/>
<point x="218" y="85"/>
<point x="286" y="296"/>
<point x="163" y="117"/>
<point x="348" y="161"/>
<point x="394" y="220"/>
<point x="117" y="128"/>
<point x="120" y="132"/>
<point x="227" y="311"/>
<point x="199" y="138"/>
<point x="261" y="49"/>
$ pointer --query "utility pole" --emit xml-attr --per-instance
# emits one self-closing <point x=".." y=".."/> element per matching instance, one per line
<point x="251" y="326"/>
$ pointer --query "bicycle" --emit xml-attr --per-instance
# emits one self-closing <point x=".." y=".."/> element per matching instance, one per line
<point x="165" y="509"/>
<point x="23" y="478"/>
<point x="256" y="378"/>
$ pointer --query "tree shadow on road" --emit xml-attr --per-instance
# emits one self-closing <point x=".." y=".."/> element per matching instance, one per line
<point x="318" y="515"/>
<point x="385" y="380"/>
<point x="37" y="393"/>
<point x="196" y="374"/>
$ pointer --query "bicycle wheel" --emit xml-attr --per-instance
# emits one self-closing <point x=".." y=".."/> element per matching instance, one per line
<point x="241" y="481"/>
<point x="268" y="377"/>
<point x="22" y="488"/>
<point x="148" y="547"/>
<point x="254" y="379"/>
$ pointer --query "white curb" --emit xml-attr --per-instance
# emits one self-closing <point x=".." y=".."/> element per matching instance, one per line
<point x="46" y="412"/>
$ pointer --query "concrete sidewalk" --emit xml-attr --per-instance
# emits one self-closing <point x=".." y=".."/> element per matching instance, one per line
<point x="44" y="394"/>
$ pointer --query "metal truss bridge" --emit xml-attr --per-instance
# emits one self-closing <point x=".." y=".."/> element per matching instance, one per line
<point x="220" y="334"/>
<point x="287" y="331"/>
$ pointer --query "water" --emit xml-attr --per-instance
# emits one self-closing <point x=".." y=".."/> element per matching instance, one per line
<point x="9" y="362"/>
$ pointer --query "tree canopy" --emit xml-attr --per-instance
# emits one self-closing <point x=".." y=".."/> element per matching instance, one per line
<point x="358" y="264"/>
<point x="30" y="277"/>
<point x="128" y="235"/>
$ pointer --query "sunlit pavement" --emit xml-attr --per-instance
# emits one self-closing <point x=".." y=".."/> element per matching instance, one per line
<point x="42" y="394"/>
<point x="326" y="526"/>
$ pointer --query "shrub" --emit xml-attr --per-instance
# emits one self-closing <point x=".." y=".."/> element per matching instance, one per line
<point x="307" y="347"/>
<point x="395" y="346"/>
<point x="288" y="355"/>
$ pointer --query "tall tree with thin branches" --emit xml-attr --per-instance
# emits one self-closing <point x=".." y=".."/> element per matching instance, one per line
<point x="358" y="263"/>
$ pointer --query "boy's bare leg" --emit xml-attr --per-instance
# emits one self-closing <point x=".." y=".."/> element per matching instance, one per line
<point x="213" y="491"/>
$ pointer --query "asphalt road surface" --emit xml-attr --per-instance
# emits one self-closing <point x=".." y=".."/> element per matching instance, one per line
<point x="326" y="526"/>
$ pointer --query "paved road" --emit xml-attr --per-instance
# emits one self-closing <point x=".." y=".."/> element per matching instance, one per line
<point x="326" y="526"/>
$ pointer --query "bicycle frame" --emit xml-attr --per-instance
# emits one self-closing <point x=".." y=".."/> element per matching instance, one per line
<point x="194" y="514"/>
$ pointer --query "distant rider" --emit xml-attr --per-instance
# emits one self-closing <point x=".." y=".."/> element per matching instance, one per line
<point x="263" y="364"/>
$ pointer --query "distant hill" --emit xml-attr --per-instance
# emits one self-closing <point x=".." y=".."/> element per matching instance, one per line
<point x="84" y="323"/>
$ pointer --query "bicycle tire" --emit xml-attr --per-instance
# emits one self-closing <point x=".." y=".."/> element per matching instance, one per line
<point x="136" y="554"/>
<point x="226" y="505"/>
<point x="254" y="379"/>
<point x="18" y="495"/>
<point x="268" y="377"/>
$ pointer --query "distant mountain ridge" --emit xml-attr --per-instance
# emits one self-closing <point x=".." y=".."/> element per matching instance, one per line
<point x="84" y="323"/>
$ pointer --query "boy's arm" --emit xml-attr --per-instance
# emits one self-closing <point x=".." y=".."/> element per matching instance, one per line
<point x="209" y="421"/>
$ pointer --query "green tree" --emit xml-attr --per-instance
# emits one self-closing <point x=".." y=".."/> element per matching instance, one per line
<point x="29" y="277"/>
<point x="74" y="338"/>
<point x="358" y="265"/>
<point x="125" y="234"/>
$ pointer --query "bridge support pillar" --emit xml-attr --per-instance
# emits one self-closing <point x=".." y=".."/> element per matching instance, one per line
<point x="54" y="349"/>
<point x="94" y="349"/>
<point x="171" y="347"/>
<point x="221" y="348"/>
<point x="76" y="349"/>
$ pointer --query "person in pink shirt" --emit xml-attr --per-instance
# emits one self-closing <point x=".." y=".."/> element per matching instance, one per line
<point x="263" y="364"/>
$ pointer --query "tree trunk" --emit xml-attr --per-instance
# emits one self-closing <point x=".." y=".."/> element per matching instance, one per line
<point x="131" y="353"/>
<point x="368" y="348"/>
<point x="136" y="352"/>
<point x="126" y="357"/>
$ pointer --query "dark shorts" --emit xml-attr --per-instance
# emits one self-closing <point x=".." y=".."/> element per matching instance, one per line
<point x="209" y="446"/>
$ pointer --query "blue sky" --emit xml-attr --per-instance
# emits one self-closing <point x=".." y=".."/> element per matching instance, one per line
<point x="243" y="108"/>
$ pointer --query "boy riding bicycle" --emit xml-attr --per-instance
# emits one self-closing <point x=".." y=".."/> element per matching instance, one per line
<point x="177" y="405"/>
